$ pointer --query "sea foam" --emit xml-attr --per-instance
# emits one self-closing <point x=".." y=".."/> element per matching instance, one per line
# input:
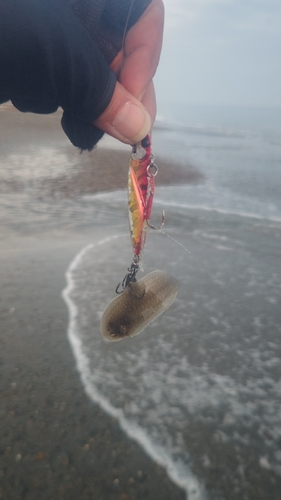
<point x="178" y="472"/>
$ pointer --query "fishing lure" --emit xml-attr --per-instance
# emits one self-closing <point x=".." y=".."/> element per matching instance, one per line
<point x="141" y="186"/>
<point x="139" y="302"/>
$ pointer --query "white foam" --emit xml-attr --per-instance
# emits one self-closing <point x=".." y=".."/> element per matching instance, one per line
<point x="153" y="385"/>
<point x="213" y="202"/>
<point x="223" y="211"/>
<point x="178" y="472"/>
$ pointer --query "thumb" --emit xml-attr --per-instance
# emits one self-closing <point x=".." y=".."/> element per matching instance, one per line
<point x="125" y="118"/>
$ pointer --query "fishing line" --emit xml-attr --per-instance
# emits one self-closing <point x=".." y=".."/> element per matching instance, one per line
<point x="173" y="239"/>
<point x="126" y="26"/>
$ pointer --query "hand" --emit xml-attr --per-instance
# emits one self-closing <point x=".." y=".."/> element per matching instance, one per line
<point x="131" y="112"/>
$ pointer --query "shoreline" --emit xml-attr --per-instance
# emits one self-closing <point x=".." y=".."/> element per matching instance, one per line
<point x="55" y="443"/>
<point x="106" y="170"/>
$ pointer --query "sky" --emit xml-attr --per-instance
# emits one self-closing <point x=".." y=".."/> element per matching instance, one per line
<point x="221" y="52"/>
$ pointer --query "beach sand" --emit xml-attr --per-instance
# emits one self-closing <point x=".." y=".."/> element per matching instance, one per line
<point x="55" y="443"/>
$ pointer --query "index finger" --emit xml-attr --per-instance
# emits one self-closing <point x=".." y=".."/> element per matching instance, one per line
<point x="142" y="50"/>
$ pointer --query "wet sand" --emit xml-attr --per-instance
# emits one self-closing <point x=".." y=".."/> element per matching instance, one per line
<point x="55" y="443"/>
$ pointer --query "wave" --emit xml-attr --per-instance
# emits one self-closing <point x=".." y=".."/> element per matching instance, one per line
<point x="177" y="471"/>
<point x="206" y="363"/>
<point x="252" y="209"/>
<point x="218" y="210"/>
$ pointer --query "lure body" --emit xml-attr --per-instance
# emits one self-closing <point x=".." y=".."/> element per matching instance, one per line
<point x="141" y="185"/>
<point x="140" y="193"/>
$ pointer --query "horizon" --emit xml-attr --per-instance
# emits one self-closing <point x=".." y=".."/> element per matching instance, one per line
<point x="221" y="53"/>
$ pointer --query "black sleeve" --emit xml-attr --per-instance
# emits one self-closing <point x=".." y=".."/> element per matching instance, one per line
<point x="107" y="21"/>
<point x="50" y="58"/>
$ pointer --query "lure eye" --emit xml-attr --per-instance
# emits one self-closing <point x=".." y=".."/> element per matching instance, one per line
<point x="145" y="142"/>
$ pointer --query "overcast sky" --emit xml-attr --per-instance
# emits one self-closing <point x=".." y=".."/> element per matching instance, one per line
<point x="221" y="52"/>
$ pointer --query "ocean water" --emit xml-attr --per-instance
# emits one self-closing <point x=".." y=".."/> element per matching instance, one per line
<point x="200" y="389"/>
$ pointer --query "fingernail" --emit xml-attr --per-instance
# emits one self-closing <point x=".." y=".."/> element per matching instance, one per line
<point x="132" y="122"/>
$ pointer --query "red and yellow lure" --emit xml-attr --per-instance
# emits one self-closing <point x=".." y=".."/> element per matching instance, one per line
<point x="141" y="185"/>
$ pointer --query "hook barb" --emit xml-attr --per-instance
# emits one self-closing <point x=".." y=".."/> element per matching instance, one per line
<point x="161" y="225"/>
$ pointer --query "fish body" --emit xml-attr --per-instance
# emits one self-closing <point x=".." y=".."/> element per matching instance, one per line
<point x="140" y="303"/>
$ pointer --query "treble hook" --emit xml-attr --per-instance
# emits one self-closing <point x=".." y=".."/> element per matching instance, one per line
<point x="130" y="277"/>
<point x="161" y="225"/>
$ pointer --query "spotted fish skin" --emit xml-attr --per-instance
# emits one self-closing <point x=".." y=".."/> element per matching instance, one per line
<point x="141" y="302"/>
